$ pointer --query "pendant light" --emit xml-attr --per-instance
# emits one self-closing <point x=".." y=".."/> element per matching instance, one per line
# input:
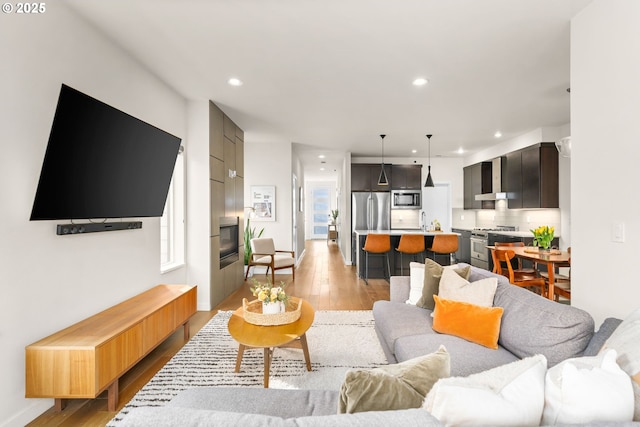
<point x="429" y="181"/>
<point x="382" y="180"/>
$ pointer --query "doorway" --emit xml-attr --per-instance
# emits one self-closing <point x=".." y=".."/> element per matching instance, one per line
<point x="436" y="204"/>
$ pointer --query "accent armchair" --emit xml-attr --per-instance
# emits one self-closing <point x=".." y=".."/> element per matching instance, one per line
<point x="264" y="253"/>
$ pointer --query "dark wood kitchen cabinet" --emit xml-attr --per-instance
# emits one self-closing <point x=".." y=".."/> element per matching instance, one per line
<point x="477" y="180"/>
<point x="532" y="177"/>
<point x="364" y="177"/>
<point x="406" y="177"/>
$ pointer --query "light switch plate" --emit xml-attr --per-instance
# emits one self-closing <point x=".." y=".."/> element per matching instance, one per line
<point x="617" y="232"/>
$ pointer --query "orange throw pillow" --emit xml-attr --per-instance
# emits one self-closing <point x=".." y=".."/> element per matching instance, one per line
<point x="474" y="323"/>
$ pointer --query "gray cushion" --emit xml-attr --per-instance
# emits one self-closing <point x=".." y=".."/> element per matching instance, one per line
<point x="404" y="417"/>
<point x="599" y="338"/>
<point x="466" y="357"/>
<point x="533" y="325"/>
<point x="399" y="288"/>
<point x="259" y="401"/>
<point x="171" y="416"/>
<point x="397" y="319"/>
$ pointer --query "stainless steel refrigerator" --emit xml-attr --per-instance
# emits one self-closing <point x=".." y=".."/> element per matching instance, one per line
<point x="370" y="211"/>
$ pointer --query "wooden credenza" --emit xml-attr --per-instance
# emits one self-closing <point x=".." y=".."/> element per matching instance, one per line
<point x="89" y="357"/>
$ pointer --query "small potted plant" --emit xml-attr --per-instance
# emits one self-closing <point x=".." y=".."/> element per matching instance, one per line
<point x="273" y="298"/>
<point x="334" y="216"/>
<point x="249" y="233"/>
<point x="542" y="237"/>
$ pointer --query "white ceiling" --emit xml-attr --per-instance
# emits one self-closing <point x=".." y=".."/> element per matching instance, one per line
<point x="331" y="75"/>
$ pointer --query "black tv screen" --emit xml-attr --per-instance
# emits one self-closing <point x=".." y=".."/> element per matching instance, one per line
<point x="102" y="163"/>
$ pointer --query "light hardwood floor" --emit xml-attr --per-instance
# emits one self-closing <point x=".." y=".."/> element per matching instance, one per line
<point x="321" y="278"/>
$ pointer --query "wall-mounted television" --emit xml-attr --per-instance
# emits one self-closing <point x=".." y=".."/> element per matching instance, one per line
<point x="101" y="162"/>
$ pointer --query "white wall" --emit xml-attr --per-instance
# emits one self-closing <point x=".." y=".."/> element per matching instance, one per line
<point x="198" y="202"/>
<point x="605" y="130"/>
<point x="48" y="281"/>
<point x="270" y="164"/>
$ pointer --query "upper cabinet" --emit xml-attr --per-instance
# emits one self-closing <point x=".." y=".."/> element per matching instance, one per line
<point x="532" y="177"/>
<point x="477" y="180"/>
<point x="364" y="177"/>
<point x="406" y="177"/>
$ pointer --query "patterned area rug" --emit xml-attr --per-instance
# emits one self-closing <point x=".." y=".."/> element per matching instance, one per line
<point x="337" y="340"/>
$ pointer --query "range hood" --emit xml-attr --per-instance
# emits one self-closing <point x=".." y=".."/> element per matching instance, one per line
<point x="496" y="183"/>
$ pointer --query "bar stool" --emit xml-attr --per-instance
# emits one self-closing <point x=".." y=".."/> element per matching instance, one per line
<point x="378" y="244"/>
<point x="444" y="244"/>
<point x="410" y="244"/>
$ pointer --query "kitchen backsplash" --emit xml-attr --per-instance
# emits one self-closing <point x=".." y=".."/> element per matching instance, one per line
<point x="521" y="218"/>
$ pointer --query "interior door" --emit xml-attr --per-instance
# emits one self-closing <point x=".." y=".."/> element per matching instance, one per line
<point x="436" y="204"/>
<point x="320" y="211"/>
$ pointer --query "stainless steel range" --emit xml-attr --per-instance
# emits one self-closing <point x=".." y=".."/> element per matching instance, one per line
<point x="479" y="240"/>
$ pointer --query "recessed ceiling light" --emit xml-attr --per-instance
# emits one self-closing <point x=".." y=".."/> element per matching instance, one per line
<point x="498" y="134"/>
<point x="414" y="151"/>
<point x="233" y="81"/>
<point x="460" y="150"/>
<point x="321" y="156"/>
<point x="420" y="81"/>
<point x="321" y="169"/>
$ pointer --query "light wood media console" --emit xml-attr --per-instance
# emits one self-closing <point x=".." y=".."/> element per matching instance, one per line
<point x="89" y="357"/>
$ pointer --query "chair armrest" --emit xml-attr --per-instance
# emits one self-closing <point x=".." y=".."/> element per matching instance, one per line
<point x="287" y="252"/>
<point x="254" y="254"/>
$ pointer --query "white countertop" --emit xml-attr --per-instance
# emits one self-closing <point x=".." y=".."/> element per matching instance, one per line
<point x="505" y="233"/>
<point x="401" y="232"/>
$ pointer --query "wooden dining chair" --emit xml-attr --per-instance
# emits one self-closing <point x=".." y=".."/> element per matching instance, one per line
<point x="524" y="280"/>
<point x="562" y="286"/>
<point x="529" y="271"/>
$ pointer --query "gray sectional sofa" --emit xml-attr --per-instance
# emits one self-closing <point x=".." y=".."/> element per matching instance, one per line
<point x="530" y="325"/>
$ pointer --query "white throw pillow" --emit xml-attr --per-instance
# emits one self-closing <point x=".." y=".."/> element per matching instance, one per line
<point x="588" y="389"/>
<point x="626" y="341"/>
<point x="416" y="282"/>
<point x="511" y="394"/>
<point x="453" y="287"/>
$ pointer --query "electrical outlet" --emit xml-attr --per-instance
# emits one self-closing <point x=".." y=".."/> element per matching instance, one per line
<point x="461" y="217"/>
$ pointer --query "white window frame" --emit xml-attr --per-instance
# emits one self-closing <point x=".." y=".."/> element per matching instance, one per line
<point x="173" y="219"/>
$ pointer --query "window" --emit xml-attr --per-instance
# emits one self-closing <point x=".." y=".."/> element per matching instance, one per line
<point x="172" y="221"/>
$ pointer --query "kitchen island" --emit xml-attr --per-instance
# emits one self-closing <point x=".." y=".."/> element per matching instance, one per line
<point x="376" y="263"/>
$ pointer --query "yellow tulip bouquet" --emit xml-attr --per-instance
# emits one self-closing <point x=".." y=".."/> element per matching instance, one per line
<point x="543" y="236"/>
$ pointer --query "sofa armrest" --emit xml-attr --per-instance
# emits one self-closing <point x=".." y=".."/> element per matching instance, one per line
<point x="399" y="288"/>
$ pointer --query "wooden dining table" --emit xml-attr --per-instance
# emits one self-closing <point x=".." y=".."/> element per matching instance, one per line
<point x="551" y="260"/>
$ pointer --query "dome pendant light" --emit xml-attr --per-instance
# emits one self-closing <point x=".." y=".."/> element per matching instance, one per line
<point x="429" y="181"/>
<point x="382" y="180"/>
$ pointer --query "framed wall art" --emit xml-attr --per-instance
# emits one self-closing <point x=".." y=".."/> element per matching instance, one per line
<point x="263" y="202"/>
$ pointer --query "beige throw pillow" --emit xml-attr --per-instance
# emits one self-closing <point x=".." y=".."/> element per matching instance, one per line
<point x="400" y="386"/>
<point x="481" y="292"/>
<point x="432" y="275"/>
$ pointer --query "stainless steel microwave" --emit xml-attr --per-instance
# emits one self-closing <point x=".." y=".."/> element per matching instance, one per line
<point x="406" y="199"/>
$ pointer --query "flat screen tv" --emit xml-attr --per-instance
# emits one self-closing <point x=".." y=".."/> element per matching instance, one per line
<point x="102" y="163"/>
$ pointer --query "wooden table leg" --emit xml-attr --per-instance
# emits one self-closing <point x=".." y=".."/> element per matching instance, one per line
<point x="305" y="350"/>
<point x="239" y="358"/>
<point x="552" y="280"/>
<point x="59" y="404"/>
<point x="267" y="366"/>
<point x="186" y="330"/>
<point x="112" y="396"/>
